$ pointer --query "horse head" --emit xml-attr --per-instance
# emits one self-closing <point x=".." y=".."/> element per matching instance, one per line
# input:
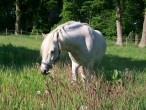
<point x="50" y="52"/>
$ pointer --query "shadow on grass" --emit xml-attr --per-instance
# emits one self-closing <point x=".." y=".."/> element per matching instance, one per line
<point x="120" y="63"/>
<point x="21" y="56"/>
<point x="111" y="62"/>
<point x="17" y="56"/>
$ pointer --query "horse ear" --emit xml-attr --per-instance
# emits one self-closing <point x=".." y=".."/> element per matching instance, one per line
<point x="44" y="35"/>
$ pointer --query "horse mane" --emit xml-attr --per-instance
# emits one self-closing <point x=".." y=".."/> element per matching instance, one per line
<point x="60" y="29"/>
<point x="67" y="23"/>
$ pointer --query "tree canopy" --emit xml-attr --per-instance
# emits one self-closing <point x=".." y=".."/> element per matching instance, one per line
<point x="42" y="15"/>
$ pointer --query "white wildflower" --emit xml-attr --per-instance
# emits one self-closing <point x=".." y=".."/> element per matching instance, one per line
<point x="38" y="92"/>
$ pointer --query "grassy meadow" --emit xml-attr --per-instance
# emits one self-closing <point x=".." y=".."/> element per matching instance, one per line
<point x="120" y="82"/>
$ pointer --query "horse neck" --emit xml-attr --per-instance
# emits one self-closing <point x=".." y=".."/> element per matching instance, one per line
<point x="69" y="41"/>
<point x="71" y="44"/>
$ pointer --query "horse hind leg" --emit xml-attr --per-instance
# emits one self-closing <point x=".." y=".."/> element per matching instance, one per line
<point x="75" y="67"/>
<point x="91" y="72"/>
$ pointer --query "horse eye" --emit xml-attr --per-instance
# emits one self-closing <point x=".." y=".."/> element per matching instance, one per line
<point x="53" y="51"/>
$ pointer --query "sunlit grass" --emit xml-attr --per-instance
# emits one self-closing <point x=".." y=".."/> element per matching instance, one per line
<point x="120" y="85"/>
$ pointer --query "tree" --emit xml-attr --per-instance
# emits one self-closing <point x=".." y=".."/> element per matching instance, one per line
<point x="69" y="11"/>
<point x="87" y="11"/>
<point x="118" y="23"/>
<point x="41" y="15"/>
<point x="17" y="12"/>
<point x="143" y="39"/>
<point x="132" y="19"/>
<point x="102" y="17"/>
<point x="7" y="14"/>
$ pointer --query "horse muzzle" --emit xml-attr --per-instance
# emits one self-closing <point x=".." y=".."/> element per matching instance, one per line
<point x="45" y="69"/>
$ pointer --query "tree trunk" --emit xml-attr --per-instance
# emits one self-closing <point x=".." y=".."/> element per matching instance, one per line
<point x="118" y="23"/>
<point x="17" y="12"/>
<point x="143" y="39"/>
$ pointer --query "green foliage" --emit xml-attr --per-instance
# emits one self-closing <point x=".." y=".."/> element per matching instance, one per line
<point x="52" y="4"/>
<point x="42" y="15"/>
<point x="7" y="14"/>
<point x="105" y="23"/>
<point x="69" y="11"/>
<point x="86" y="11"/>
<point x="132" y="22"/>
<point x="116" y="78"/>
<point x="115" y="75"/>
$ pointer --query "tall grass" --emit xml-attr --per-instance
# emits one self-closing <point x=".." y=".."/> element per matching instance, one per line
<point x="120" y="85"/>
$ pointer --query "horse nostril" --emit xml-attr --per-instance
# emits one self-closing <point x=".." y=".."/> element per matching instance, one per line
<point x="45" y="71"/>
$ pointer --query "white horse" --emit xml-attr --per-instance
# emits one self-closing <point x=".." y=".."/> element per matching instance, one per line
<point x="86" y="48"/>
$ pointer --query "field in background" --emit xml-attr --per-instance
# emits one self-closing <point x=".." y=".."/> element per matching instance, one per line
<point x="120" y="85"/>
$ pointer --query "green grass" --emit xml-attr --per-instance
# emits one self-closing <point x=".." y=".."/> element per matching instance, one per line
<point x="120" y="85"/>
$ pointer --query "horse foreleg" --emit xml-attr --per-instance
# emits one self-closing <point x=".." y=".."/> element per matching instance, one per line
<point x="75" y="67"/>
<point x="82" y="72"/>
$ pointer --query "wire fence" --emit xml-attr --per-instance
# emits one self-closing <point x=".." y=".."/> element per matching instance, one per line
<point x="126" y="39"/>
<point x="13" y="32"/>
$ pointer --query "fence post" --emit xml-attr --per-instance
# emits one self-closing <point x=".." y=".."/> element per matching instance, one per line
<point x="126" y="41"/>
<point x="136" y="38"/>
<point x="37" y="35"/>
<point x="21" y="31"/>
<point x="6" y="31"/>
